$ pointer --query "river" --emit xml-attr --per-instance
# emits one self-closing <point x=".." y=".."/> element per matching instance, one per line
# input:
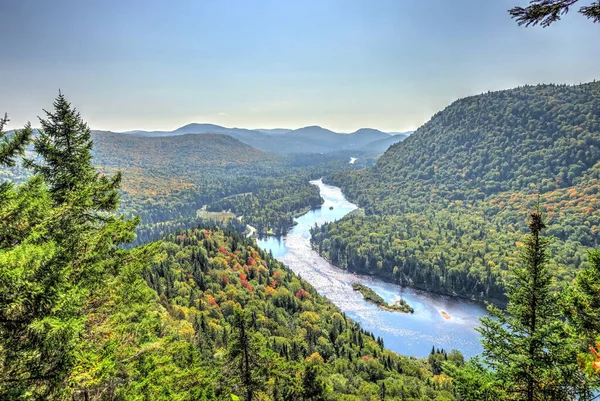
<point x="407" y="334"/>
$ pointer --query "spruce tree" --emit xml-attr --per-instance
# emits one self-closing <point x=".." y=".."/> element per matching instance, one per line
<point x="12" y="146"/>
<point x="313" y="388"/>
<point x="527" y="346"/>
<point x="64" y="145"/>
<point x="582" y="311"/>
<point x="243" y="356"/>
<point x="58" y="246"/>
<point x="582" y="301"/>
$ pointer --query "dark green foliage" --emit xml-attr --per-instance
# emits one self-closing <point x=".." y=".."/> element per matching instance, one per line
<point x="272" y="207"/>
<point x="444" y="208"/>
<point x="527" y="347"/>
<point x="12" y="146"/>
<point x="313" y="388"/>
<point x="581" y="306"/>
<point x="546" y="12"/>
<point x="583" y="301"/>
<point x="372" y="296"/>
<point x="474" y="381"/>
<point x="64" y="145"/>
<point x="57" y="245"/>
<point x="244" y="356"/>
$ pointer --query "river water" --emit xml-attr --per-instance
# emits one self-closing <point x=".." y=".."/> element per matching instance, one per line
<point x="407" y="334"/>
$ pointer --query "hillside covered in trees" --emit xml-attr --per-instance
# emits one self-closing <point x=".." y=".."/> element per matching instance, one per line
<point x="202" y="315"/>
<point x="445" y="208"/>
<point x="306" y="140"/>
<point x="167" y="180"/>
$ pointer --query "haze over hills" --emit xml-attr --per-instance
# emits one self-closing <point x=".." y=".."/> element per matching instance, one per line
<point x="404" y="133"/>
<point x="273" y="131"/>
<point x="214" y="150"/>
<point x="311" y="139"/>
<point x="381" y="145"/>
<point x="228" y="248"/>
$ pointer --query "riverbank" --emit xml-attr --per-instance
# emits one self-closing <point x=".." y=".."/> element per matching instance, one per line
<point x="411" y="334"/>
<point x="402" y="284"/>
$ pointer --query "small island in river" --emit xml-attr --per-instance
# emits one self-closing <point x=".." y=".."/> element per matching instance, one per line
<point x="371" y="296"/>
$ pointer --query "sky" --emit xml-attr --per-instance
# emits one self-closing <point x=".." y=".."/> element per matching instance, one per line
<point x="340" y="64"/>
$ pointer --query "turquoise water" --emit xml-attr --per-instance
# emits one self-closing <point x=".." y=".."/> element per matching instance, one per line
<point x="408" y="334"/>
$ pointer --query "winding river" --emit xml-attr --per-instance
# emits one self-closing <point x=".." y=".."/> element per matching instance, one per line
<point x="407" y="334"/>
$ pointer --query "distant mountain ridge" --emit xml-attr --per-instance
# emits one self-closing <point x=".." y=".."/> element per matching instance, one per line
<point x="310" y="139"/>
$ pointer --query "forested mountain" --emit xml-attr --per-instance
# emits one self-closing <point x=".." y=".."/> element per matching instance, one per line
<point x="168" y="179"/>
<point x="219" y="285"/>
<point x="381" y="145"/>
<point x="444" y="207"/>
<point x="182" y="151"/>
<point x="312" y="139"/>
<point x="202" y="315"/>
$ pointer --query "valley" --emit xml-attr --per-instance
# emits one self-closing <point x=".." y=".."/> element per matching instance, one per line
<point x="446" y="209"/>
<point x="344" y="273"/>
<point x="408" y="334"/>
<point x="300" y="200"/>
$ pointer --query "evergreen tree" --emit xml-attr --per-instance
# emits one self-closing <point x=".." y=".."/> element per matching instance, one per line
<point x="582" y="310"/>
<point x="12" y="146"/>
<point x="58" y="247"/>
<point x="527" y="346"/>
<point x="583" y="301"/>
<point x="312" y="387"/>
<point x="64" y="145"/>
<point x="382" y="391"/>
<point x="243" y="356"/>
<point x="546" y="12"/>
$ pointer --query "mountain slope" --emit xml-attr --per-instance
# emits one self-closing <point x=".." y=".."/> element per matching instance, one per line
<point x="212" y="150"/>
<point x="312" y="139"/>
<point x="382" y="145"/>
<point x="449" y="203"/>
<point x="177" y="336"/>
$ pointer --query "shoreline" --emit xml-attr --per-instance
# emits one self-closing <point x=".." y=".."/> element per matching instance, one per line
<point x="479" y="301"/>
<point x="371" y="296"/>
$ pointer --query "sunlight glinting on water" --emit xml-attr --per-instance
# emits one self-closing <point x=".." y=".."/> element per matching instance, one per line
<point x="409" y="334"/>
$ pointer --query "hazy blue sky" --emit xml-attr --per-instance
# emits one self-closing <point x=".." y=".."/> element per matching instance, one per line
<point x="345" y="64"/>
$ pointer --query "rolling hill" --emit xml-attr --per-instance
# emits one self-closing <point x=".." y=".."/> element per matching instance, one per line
<point x="311" y="139"/>
<point x="167" y="179"/>
<point x="445" y="207"/>
<point x="209" y="150"/>
<point x="381" y="145"/>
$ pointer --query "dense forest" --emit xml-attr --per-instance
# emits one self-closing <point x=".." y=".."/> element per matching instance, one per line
<point x="168" y="180"/>
<point x="202" y="315"/>
<point x="444" y="209"/>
